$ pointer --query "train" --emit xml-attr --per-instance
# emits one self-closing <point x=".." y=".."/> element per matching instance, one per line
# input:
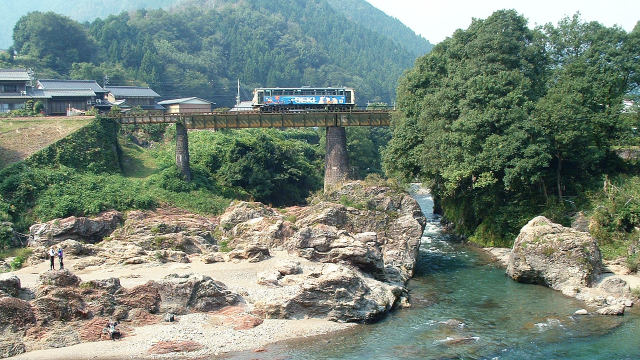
<point x="303" y="99"/>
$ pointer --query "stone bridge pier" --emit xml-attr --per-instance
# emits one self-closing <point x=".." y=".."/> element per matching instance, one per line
<point x="336" y="161"/>
<point x="182" y="151"/>
<point x="336" y="168"/>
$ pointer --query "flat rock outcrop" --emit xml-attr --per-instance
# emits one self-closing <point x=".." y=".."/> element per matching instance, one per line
<point x="64" y="306"/>
<point x="84" y="229"/>
<point x="550" y="254"/>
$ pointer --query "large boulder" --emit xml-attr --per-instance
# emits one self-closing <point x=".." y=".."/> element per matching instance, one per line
<point x="10" y="286"/>
<point x="83" y="229"/>
<point x="243" y="211"/>
<point x="250" y="252"/>
<point x="61" y="303"/>
<point x="394" y="216"/>
<point x="336" y="293"/>
<point x="180" y="294"/>
<point x="15" y="314"/>
<point x="324" y="243"/>
<point x="555" y="256"/>
<point x="59" y="278"/>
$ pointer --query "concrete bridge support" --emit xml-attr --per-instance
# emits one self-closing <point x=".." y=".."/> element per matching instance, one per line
<point x="336" y="164"/>
<point x="182" y="151"/>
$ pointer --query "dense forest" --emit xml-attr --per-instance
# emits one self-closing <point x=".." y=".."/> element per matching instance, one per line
<point x="200" y="48"/>
<point x="377" y="21"/>
<point x="506" y="123"/>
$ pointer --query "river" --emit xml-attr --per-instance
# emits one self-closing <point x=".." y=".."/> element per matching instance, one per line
<point x="464" y="307"/>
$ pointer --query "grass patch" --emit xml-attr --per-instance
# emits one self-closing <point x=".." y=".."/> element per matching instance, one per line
<point x="346" y="201"/>
<point x="223" y="246"/>
<point x="137" y="162"/>
<point x="291" y="218"/>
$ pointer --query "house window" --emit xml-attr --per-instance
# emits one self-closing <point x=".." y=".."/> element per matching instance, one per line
<point x="11" y="88"/>
<point x="4" y="108"/>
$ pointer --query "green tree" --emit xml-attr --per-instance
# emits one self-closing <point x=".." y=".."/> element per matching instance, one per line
<point x="498" y="114"/>
<point x="587" y="77"/>
<point x="56" y="40"/>
<point x="467" y="128"/>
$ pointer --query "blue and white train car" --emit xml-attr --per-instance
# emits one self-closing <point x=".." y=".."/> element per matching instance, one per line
<point x="304" y="98"/>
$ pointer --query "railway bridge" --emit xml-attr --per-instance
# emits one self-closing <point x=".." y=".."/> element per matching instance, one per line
<point x="336" y="168"/>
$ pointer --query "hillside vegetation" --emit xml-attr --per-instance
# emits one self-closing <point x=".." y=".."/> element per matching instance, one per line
<point x="377" y="21"/>
<point x="101" y="167"/>
<point x="200" y="48"/>
<point x="21" y="137"/>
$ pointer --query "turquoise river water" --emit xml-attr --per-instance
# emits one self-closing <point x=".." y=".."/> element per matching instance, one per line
<point x="498" y="317"/>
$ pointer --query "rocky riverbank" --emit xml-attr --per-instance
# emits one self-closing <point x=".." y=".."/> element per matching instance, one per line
<point x="195" y="286"/>
<point x="568" y="260"/>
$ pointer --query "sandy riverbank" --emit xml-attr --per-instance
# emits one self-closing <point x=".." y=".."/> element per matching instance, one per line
<point x="213" y="332"/>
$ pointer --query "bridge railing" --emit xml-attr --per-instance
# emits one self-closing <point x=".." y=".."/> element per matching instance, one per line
<point x="256" y="119"/>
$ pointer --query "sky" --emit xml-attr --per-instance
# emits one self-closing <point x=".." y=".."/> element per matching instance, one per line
<point x="437" y="20"/>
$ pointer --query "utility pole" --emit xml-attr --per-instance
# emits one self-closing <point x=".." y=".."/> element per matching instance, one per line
<point x="238" y="95"/>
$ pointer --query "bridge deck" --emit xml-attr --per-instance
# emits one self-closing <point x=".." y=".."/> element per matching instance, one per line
<point x="240" y="120"/>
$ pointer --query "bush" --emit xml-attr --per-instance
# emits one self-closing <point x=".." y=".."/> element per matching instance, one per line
<point x="38" y="107"/>
<point x="21" y="257"/>
<point x="615" y="219"/>
<point x="633" y="262"/>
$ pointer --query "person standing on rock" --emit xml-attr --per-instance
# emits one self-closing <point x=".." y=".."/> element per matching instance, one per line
<point x="52" y="255"/>
<point x="60" y="258"/>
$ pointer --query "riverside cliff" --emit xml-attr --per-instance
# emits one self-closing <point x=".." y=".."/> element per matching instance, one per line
<point x="257" y="272"/>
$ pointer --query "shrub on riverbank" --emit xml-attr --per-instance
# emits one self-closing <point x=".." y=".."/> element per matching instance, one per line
<point x="615" y="220"/>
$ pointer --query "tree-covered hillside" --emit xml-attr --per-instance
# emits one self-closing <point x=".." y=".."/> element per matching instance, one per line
<point x="375" y="20"/>
<point x="201" y="47"/>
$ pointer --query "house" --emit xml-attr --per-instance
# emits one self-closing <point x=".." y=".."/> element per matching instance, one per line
<point x="61" y="95"/>
<point x="131" y="96"/>
<point x="14" y="84"/>
<point x="186" y="105"/>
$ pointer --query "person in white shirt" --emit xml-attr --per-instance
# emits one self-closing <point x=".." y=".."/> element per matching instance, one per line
<point x="52" y="255"/>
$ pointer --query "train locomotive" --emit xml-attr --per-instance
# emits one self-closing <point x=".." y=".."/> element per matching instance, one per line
<point x="303" y="99"/>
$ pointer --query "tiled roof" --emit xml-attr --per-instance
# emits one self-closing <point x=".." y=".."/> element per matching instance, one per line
<point x="49" y="93"/>
<point x="70" y="84"/>
<point x="190" y="100"/>
<point x="14" y="74"/>
<point x="131" y="91"/>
